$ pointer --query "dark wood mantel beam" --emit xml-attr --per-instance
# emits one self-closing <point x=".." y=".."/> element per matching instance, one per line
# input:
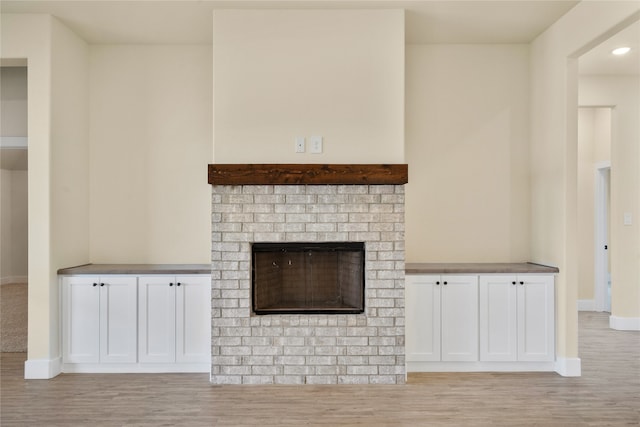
<point x="293" y="174"/>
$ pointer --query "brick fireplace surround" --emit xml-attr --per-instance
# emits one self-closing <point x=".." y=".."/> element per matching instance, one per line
<point x="366" y="348"/>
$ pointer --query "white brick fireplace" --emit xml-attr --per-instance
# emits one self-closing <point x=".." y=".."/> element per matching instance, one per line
<point x="366" y="348"/>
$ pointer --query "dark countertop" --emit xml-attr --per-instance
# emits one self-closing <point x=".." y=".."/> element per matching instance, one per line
<point x="478" y="268"/>
<point x="137" y="269"/>
<point x="410" y="268"/>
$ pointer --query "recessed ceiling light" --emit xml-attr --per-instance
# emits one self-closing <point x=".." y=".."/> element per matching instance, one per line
<point x="621" y="51"/>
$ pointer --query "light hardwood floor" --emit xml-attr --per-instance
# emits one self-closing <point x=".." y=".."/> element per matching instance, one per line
<point x="608" y="394"/>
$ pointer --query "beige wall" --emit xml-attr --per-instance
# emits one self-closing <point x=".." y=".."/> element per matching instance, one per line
<point x="82" y="154"/>
<point x="334" y="73"/>
<point x="554" y="110"/>
<point x="594" y="147"/>
<point x="150" y="143"/>
<point x="68" y="160"/>
<point x="56" y="130"/>
<point x="29" y="36"/>
<point x="70" y="151"/>
<point x="467" y="149"/>
<point x="622" y="92"/>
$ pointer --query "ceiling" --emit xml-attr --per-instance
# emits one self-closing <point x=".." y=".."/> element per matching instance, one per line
<point x="189" y="21"/>
<point x="600" y="60"/>
<point x="437" y="22"/>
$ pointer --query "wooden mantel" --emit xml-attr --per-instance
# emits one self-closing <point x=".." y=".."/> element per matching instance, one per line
<point x="319" y="174"/>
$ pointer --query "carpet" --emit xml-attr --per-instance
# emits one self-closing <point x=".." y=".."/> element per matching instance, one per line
<point x="13" y="318"/>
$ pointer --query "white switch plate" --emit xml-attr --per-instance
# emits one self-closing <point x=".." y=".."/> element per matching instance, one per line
<point x="299" y="144"/>
<point x="627" y="218"/>
<point x="316" y="145"/>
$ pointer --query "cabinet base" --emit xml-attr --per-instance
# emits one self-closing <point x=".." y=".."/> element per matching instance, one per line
<point x="481" y="367"/>
<point x="134" y="368"/>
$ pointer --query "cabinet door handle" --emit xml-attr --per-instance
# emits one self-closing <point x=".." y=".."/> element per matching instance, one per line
<point x="513" y="283"/>
<point x="522" y="283"/>
<point x="178" y="284"/>
<point x="95" y="284"/>
<point x="101" y="284"/>
<point x="171" y="284"/>
<point x="444" y="283"/>
<point x="437" y="283"/>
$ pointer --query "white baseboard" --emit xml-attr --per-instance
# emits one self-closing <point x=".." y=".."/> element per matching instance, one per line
<point x="13" y="279"/>
<point x="42" y="369"/>
<point x="624" y="323"/>
<point x="586" y="305"/>
<point x="568" y="367"/>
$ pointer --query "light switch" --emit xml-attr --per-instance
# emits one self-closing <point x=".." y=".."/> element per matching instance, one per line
<point x="299" y="144"/>
<point x="627" y="218"/>
<point x="316" y="145"/>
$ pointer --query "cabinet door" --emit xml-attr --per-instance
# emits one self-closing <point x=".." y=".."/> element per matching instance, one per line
<point x="536" y="318"/>
<point x="118" y="319"/>
<point x="81" y="319"/>
<point x="156" y="319"/>
<point x="193" y="319"/>
<point x="459" y="305"/>
<point x="498" y="319"/>
<point x="422" y="311"/>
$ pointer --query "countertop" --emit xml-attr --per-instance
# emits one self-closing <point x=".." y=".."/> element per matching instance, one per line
<point x="137" y="269"/>
<point x="479" y="268"/>
<point x="410" y="268"/>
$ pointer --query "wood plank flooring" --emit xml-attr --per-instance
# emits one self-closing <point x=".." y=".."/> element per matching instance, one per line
<point x="608" y="394"/>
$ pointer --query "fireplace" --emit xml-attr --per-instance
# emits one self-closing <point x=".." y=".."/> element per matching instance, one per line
<point x="305" y="209"/>
<point x="308" y="278"/>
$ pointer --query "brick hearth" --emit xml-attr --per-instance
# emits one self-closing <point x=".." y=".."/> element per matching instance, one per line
<point x="365" y="348"/>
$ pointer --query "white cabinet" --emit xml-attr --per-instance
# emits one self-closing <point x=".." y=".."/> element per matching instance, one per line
<point x="441" y="318"/>
<point x="136" y="323"/>
<point x="422" y="318"/>
<point x="174" y="316"/>
<point x="99" y="319"/>
<point x="517" y="318"/>
<point x="480" y="322"/>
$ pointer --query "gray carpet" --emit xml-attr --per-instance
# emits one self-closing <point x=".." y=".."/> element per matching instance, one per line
<point x="13" y="318"/>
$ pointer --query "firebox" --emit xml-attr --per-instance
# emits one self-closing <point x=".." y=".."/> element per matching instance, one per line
<point x="311" y="278"/>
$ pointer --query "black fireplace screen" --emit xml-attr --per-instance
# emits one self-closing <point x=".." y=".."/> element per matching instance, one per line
<point x="308" y="278"/>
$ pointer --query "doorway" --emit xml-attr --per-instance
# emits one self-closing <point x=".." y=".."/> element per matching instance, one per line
<point x="602" y="264"/>
<point x="593" y="189"/>
<point x="13" y="207"/>
<point x="609" y="82"/>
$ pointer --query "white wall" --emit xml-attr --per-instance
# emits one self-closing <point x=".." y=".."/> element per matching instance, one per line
<point x="467" y="149"/>
<point x="279" y="74"/>
<point x="150" y="144"/>
<point x="623" y="93"/>
<point x="554" y="111"/>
